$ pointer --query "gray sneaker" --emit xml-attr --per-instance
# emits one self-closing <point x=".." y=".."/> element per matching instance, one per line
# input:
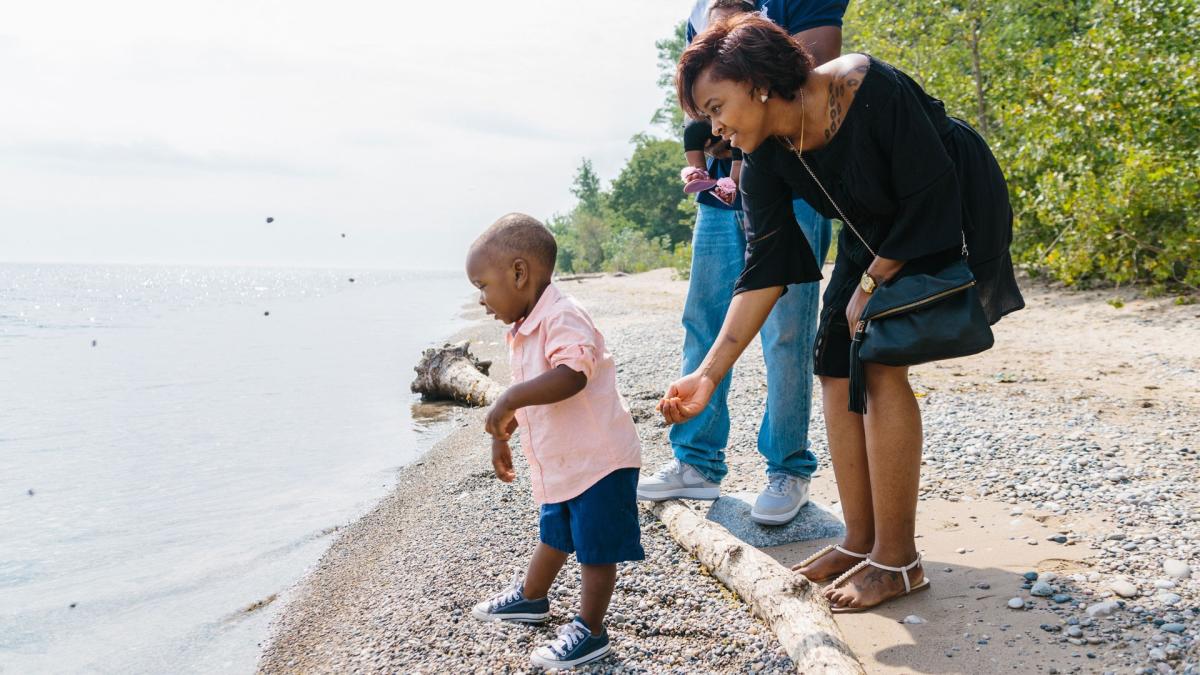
<point x="677" y="480"/>
<point x="782" y="499"/>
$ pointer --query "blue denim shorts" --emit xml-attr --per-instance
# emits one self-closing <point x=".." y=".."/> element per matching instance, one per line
<point x="600" y="526"/>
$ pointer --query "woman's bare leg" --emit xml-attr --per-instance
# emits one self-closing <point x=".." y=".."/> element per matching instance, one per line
<point x="893" y="434"/>
<point x="848" y="450"/>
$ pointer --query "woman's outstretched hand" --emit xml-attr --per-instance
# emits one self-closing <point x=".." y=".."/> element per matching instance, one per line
<point x="686" y="397"/>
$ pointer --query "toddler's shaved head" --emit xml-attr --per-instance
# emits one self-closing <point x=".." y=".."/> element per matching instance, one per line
<point x="517" y="235"/>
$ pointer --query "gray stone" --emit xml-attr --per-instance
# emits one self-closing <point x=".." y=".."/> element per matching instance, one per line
<point x="1016" y="603"/>
<point x="1124" y="588"/>
<point x="1173" y="627"/>
<point x="1177" y="569"/>
<point x="1042" y="590"/>
<point x="1168" y="598"/>
<point x="1103" y="609"/>
<point x="813" y="522"/>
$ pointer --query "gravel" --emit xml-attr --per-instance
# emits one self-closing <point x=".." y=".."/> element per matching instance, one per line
<point x="1044" y="438"/>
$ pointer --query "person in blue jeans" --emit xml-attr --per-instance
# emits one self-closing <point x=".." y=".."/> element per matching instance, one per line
<point x="718" y="257"/>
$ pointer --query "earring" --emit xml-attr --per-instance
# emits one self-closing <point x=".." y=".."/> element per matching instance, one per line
<point x="763" y="98"/>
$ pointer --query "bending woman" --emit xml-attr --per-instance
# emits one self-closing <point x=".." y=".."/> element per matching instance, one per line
<point x="913" y="181"/>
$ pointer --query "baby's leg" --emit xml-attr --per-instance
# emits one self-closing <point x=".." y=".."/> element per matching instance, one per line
<point x="543" y="569"/>
<point x="598" y="583"/>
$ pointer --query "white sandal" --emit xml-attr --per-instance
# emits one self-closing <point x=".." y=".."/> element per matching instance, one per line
<point x="908" y="587"/>
<point x="828" y="549"/>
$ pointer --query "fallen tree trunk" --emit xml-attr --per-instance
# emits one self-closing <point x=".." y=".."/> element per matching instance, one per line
<point x="451" y="372"/>
<point x="788" y="602"/>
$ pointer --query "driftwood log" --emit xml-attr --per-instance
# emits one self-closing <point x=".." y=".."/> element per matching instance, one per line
<point x="452" y="373"/>
<point x="788" y="602"/>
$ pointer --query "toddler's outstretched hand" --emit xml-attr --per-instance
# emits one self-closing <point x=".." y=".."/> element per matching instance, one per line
<point x="501" y="419"/>
<point x="502" y="460"/>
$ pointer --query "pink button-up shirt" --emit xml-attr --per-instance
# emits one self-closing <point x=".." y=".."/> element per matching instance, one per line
<point x="573" y="443"/>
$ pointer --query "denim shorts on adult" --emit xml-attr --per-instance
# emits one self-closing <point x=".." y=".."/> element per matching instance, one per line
<point x="600" y="526"/>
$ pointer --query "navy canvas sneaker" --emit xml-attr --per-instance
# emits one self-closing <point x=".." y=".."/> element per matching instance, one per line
<point x="511" y="605"/>
<point x="574" y="646"/>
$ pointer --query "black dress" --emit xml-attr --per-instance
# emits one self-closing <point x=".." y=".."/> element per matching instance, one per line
<point x="912" y="180"/>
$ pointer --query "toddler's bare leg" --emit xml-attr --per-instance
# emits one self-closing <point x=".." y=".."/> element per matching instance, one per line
<point x="598" y="584"/>
<point x="543" y="569"/>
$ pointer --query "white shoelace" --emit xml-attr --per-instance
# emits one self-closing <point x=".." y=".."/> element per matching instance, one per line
<point x="671" y="468"/>
<point x="780" y="483"/>
<point x="506" y="596"/>
<point x="569" y="637"/>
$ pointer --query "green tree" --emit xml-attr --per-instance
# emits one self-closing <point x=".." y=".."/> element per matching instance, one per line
<point x="669" y="115"/>
<point x="647" y="192"/>
<point x="586" y="188"/>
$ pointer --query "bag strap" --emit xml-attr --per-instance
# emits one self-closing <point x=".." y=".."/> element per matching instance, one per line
<point x="837" y="208"/>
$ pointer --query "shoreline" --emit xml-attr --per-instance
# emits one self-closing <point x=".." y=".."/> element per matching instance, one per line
<point x="1088" y="436"/>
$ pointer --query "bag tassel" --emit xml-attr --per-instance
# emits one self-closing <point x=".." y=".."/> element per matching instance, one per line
<point x="858" y="378"/>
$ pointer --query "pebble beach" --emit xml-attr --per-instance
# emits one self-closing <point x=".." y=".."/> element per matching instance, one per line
<point x="1059" y="515"/>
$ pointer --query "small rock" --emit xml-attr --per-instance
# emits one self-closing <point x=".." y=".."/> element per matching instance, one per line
<point x="1074" y="631"/>
<point x="1061" y="598"/>
<point x="1051" y="628"/>
<point x="1103" y="609"/>
<point x="30" y="492"/>
<point x="960" y="551"/>
<point x="1177" y="569"/>
<point x="1124" y="588"/>
<point x="1173" y="627"/>
<point x="983" y="585"/>
<point x="1168" y="598"/>
<point x="913" y="619"/>
<point x="266" y="314"/>
<point x="1058" y="539"/>
<point x="1157" y="654"/>
<point x="1042" y="590"/>
<point x="1163" y="584"/>
<point x="1016" y="603"/>
<point x="1031" y="576"/>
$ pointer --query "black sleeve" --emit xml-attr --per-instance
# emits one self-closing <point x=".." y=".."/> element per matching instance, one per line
<point x="928" y="217"/>
<point x="777" y="252"/>
<point x="737" y="154"/>
<point x="695" y="134"/>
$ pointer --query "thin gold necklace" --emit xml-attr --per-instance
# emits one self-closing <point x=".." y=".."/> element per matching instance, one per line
<point x="803" y="115"/>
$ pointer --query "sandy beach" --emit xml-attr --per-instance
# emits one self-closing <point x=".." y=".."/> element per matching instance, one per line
<point x="1068" y="454"/>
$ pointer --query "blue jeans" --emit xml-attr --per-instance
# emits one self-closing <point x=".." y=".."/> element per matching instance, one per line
<point x="718" y="252"/>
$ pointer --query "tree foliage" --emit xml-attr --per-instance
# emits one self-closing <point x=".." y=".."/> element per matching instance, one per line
<point x="1092" y="109"/>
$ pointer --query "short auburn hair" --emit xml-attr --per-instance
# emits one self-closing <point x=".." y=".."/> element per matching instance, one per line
<point x="743" y="48"/>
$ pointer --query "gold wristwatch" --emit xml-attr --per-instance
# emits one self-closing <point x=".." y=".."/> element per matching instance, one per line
<point x="867" y="283"/>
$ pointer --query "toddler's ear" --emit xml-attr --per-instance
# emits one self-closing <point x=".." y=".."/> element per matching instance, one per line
<point x="520" y="271"/>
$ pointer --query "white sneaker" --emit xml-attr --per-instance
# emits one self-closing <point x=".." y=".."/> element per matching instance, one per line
<point x="676" y="480"/>
<point x="782" y="499"/>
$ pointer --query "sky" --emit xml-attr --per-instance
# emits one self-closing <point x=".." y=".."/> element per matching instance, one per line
<point x="144" y="131"/>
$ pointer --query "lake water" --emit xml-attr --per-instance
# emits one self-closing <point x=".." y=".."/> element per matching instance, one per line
<point x="195" y="459"/>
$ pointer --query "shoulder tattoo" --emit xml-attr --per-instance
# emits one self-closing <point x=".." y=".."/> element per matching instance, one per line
<point x="841" y="91"/>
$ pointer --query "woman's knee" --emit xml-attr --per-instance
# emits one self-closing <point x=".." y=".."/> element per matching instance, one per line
<point x="879" y="374"/>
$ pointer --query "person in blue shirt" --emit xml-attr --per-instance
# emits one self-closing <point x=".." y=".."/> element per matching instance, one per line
<point x="718" y="251"/>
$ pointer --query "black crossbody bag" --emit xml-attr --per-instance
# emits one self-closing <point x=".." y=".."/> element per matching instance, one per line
<point x="915" y="318"/>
